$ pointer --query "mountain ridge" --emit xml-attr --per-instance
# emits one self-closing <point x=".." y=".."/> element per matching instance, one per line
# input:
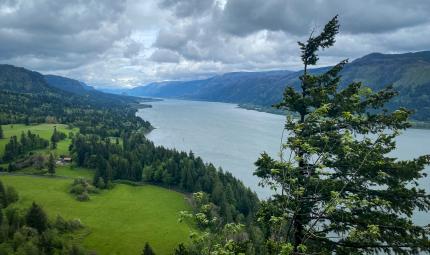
<point x="409" y="73"/>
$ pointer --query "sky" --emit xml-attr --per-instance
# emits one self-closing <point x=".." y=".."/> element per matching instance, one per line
<point x="124" y="43"/>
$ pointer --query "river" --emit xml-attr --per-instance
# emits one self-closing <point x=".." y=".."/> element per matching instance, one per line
<point x="233" y="138"/>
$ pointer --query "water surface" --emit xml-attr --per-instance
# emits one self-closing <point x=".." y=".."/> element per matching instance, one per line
<point x="233" y="138"/>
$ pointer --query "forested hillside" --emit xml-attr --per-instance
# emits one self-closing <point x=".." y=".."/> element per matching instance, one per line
<point x="409" y="74"/>
<point x="106" y="137"/>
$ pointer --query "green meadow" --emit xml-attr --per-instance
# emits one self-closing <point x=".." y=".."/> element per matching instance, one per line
<point x="119" y="221"/>
<point x="43" y="130"/>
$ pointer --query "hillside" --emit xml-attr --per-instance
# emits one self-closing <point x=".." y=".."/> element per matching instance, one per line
<point x="67" y="84"/>
<point x="409" y="73"/>
<point x="105" y="142"/>
<point x="21" y="80"/>
<point x="79" y="88"/>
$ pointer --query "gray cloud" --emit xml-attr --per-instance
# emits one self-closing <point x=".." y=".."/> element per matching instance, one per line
<point x="72" y="32"/>
<point x="127" y="43"/>
<point x="298" y="17"/>
<point x="165" y="56"/>
<point x="186" y="8"/>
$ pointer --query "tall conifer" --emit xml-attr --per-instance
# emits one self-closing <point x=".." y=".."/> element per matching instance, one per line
<point x="338" y="191"/>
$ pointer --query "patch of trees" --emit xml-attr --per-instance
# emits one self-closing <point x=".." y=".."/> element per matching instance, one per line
<point x="27" y="142"/>
<point x="56" y="137"/>
<point x="138" y="159"/>
<point x="82" y="188"/>
<point x="29" y="231"/>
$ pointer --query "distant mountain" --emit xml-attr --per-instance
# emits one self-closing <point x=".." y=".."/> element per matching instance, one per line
<point x="118" y="91"/>
<point x="409" y="73"/>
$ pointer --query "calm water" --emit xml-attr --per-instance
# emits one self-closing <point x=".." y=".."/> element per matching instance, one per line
<point x="233" y="138"/>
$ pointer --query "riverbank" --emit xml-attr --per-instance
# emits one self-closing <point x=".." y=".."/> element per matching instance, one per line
<point x="267" y="109"/>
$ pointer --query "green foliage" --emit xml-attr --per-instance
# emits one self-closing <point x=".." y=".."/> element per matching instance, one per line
<point x="56" y="137"/>
<point x="81" y="188"/>
<point x="339" y="191"/>
<point x="8" y="195"/>
<point x="51" y="164"/>
<point x="36" y="218"/>
<point x="213" y="237"/>
<point x="138" y="159"/>
<point x="27" y="143"/>
<point x="147" y="250"/>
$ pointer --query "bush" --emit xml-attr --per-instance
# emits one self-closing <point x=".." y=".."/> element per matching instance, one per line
<point x="82" y="188"/>
<point x="83" y="197"/>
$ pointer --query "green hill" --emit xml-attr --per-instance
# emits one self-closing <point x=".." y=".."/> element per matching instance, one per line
<point x="18" y="79"/>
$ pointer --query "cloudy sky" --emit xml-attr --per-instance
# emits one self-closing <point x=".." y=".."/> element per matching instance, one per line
<point x="129" y="43"/>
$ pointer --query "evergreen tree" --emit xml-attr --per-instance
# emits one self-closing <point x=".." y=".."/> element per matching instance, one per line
<point x="51" y="164"/>
<point x="11" y="195"/>
<point x="337" y="190"/>
<point x="3" y="198"/>
<point x="36" y="218"/>
<point x="147" y="250"/>
<point x="54" y="139"/>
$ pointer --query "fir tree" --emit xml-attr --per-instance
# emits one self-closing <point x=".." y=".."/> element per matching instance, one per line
<point x="36" y="218"/>
<point x="147" y="250"/>
<point x="3" y="197"/>
<point x="337" y="189"/>
<point x="54" y="139"/>
<point x="51" y="164"/>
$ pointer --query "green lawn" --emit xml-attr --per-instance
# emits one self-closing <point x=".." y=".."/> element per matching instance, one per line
<point x="43" y="130"/>
<point x="121" y="220"/>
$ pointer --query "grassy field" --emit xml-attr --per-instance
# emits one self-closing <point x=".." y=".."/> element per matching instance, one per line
<point x="61" y="171"/>
<point x="121" y="220"/>
<point x="43" y="130"/>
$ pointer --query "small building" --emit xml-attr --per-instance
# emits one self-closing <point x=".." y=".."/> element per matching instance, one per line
<point x="66" y="160"/>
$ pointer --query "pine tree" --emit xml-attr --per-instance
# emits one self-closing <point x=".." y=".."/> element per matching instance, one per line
<point x="337" y="190"/>
<point x="51" y="164"/>
<point x="54" y="139"/>
<point x="147" y="250"/>
<point x="36" y="218"/>
<point x="3" y="197"/>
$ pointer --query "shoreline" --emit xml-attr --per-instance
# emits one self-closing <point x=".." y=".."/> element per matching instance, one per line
<point x="414" y="124"/>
